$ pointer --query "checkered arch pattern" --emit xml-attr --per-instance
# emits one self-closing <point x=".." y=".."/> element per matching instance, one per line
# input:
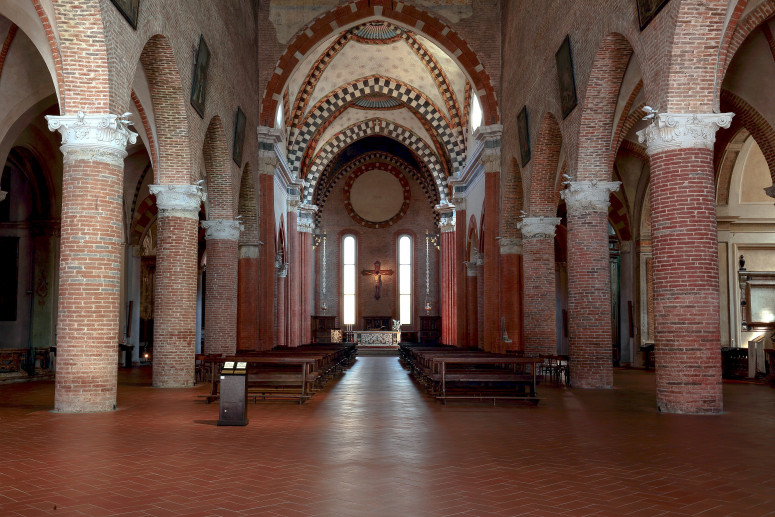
<point x="330" y="178"/>
<point x="375" y="127"/>
<point x="347" y="94"/>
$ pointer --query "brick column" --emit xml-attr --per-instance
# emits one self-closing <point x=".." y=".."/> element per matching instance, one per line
<point x="281" y="274"/>
<point x="447" y="267"/>
<point x="268" y="138"/>
<point x="511" y="292"/>
<point x="174" y="325"/>
<point x="539" y="290"/>
<point x="491" y="159"/>
<point x="222" y="237"/>
<point x="460" y="273"/>
<point x="685" y="261"/>
<point x="94" y="148"/>
<point x="294" y="275"/>
<point x="478" y="260"/>
<point x="472" y="305"/>
<point x="589" y="283"/>
<point x="305" y="226"/>
<point x="247" y="298"/>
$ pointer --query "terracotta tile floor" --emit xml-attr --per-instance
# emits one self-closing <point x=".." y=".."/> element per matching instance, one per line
<point x="374" y="444"/>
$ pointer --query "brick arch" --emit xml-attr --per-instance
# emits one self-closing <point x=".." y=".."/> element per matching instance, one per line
<point x="219" y="180"/>
<point x="738" y="31"/>
<point x="52" y="36"/>
<point x="422" y="178"/>
<point x="402" y="14"/>
<point x="618" y="218"/>
<point x="545" y="161"/>
<point x="693" y="62"/>
<point x="374" y="127"/>
<point x="415" y="100"/>
<point x="169" y="109"/>
<point x="595" y="159"/>
<point x="513" y="201"/>
<point x="248" y="207"/>
<point x="755" y="123"/>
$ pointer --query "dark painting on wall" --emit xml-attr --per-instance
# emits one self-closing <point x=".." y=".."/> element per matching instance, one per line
<point x="129" y="9"/>
<point x="199" y="84"/>
<point x="524" y="136"/>
<point x="9" y="277"/>
<point x="239" y="136"/>
<point x="565" y="75"/>
<point x="648" y="9"/>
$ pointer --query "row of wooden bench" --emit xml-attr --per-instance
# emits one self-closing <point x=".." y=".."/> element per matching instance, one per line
<point x="449" y="372"/>
<point x="283" y="372"/>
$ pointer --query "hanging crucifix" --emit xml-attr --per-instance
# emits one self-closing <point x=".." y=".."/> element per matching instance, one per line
<point x="377" y="274"/>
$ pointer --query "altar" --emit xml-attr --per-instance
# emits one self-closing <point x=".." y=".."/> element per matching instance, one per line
<point x="377" y="337"/>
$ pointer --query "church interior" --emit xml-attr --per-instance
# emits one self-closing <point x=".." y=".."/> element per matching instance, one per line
<point x="560" y="212"/>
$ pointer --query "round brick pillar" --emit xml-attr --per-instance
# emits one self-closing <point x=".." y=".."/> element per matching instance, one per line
<point x="281" y="305"/>
<point x="94" y="148"/>
<point x="589" y="284"/>
<point x="685" y="261"/>
<point x="472" y="312"/>
<point x="247" y="298"/>
<point x="222" y="237"/>
<point x="174" y="325"/>
<point x="539" y="284"/>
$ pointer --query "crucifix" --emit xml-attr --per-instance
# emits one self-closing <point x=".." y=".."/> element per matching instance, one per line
<point x="377" y="274"/>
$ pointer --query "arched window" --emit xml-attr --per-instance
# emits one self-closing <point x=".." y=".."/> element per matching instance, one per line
<point x="476" y="112"/>
<point x="405" y="279"/>
<point x="348" y="280"/>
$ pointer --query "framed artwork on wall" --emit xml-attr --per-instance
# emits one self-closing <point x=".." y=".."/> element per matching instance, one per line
<point x="239" y="136"/>
<point x="524" y="136"/>
<point x="565" y="76"/>
<point x="129" y="10"/>
<point x="199" y="84"/>
<point x="648" y="9"/>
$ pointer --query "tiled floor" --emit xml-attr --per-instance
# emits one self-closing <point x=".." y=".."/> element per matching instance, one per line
<point x="374" y="444"/>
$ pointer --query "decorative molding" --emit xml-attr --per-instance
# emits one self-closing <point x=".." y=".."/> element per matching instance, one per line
<point x="538" y="227"/>
<point x="682" y="131"/>
<point x="510" y="246"/>
<point x="588" y="196"/>
<point x="222" y="229"/>
<point x="178" y="200"/>
<point x="93" y="137"/>
<point x="306" y="218"/>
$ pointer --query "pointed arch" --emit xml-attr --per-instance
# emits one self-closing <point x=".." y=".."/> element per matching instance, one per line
<point x="545" y="163"/>
<point x="219" y="181"/>
<point x="595" y="159"/>
<point x="374" y="127"/>
<point x="351" y="14"/>
<point x="173" y="164"/>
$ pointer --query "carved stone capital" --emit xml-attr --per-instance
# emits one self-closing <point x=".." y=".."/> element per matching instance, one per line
<point x="470" y="267"/>
<point x="93" y="137"/>
<point x="222" y="229"/>
<point x="178" y="200"/>
<point x="683" y="131"/>
<point x="2" y="195"/>
<point x="510" y="246"/>
<point x="447" y="225"/>
<point x="770" y="191"/>
<point x="538" y="227"/>
<point x="588" y="196"/>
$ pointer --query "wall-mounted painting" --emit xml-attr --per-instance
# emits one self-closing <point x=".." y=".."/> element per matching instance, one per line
<point x="565" y="76"/>
<point x="524" y="136"/>
<point x="648" y="9"/>
<point x="129" y="10"/>
<point x="239" y="136"/>
<point x="199" y="84"/>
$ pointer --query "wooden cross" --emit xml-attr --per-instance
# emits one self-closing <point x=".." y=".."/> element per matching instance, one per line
<point x="377" y="274"/>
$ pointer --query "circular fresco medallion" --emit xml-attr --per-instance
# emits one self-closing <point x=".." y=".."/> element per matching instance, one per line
<point x="376" y="195"/>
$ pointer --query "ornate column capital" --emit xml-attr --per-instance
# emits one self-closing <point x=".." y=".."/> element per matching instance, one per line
<point x="588" y="196"/>
<point x="510" y="246"/>
<point x="93" y="137"/>
<point x="470" y="266"/>
<point x="306" y="219"/>
<point x="178" y="200"/>
<point x="223" y="229"/>
<point x="538" y="227"/>
<point x="280" y="266"/>
<point x="770" y="191"/>
<point x="683" y="131"/>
